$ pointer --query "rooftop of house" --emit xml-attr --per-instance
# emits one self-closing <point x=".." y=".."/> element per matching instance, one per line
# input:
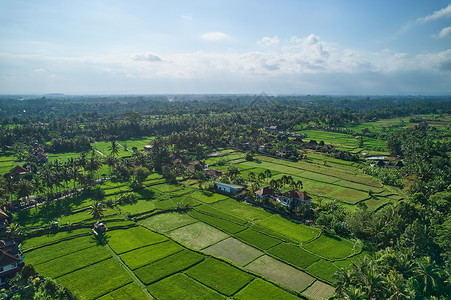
<point x="232" y="186"/>
<point x="265" y="191"/>
<point x="18" y="170"/>
<point x="297" y="194"/>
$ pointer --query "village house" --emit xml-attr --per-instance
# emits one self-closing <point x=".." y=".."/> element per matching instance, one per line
<point x="285" y="151"/>
<point x="11" y="260"/>
<point x="227" y="188"/>
<point x="295" y="198"/>
<point x="192" y="165"/>
<point x="213" y="173"/>
<point x="265" y="192"/>
<point x="18" y="170"/>
<point x="3" y="220"/>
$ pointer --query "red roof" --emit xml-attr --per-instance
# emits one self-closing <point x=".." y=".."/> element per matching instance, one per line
<point x="18" y="170"/>
<point x="42" y="156"/>
<point x="265" y="191"/>
<point x="297" y="194"/>
<point x="215" y="173"/>
<point x="7" y="259"/>
<point x="38" y="149"/>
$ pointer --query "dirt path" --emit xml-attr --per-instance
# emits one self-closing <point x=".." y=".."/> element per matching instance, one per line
<point x="130" y="272"/>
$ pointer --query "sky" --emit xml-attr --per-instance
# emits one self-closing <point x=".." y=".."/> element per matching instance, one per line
<point x="334" y="47"/>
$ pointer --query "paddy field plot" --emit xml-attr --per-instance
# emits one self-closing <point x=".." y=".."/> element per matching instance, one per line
<point x="319" y="290"/>
<point x="131" y="291"/>
<point x="180" y="286"/>
<point x="324" y="270"/>
<point x="294" y="255"/>
<point x="257" y="239"/>
<point x="44" y="240"/>
<point x="197" y="235"/>
<point x="292" y="230"/>
<point x="73" y="261"/>
<point x="58" y="249"/>
<point x="259" y="289"/>
<point x="143" y="256"/>
<point x="332" y="247"/>
<point x="167" y="221"/>
<point x="219" y="276"/>
<point x="138" y="207"/>
<point x="85" y="282"/>
<point x="207" y="196"/>
<point x="281" y="273"/>
<point x="222" y="224"/>
<point x="167" y="266"/>
<point x="136" y="237"/>
<point x="241" y="210"/>
<point x="235" y="251"/>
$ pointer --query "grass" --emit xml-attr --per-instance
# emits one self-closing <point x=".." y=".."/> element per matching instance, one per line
<point x="347" y="262"/>
<point x="140" y="206"/>
<point x="51" y="252"/>
<point x="221" y="224"/>
<point x="293" y="255"/>
<point x="319" y="290"/>
<point x="143" y="256"/>
<point x="349" y="195"/>
<point x="95" y="280"/>
<point x="180" y="286"/>
<point x="125" y="240"/>
<point x="130" y="291"/>
<point x="257" y="239"/>
<point x="197" y="235"/>
<point x="235" y="251"/>
<point x="167" y="266"/>
<point x="281" y="273"/>
<point x="166" y="187"/>
<point x="73" y="261"/>
<point x="167" y="222"/>
<point x="323" y="269"/>
<point x="219" y="276"/>
<point x="332" y="247"/>
<point x="297" y="232"/>
<point x="261" y="290"/>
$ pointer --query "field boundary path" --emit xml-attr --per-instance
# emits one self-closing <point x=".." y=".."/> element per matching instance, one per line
<point x="125" y="148"/>
<point x="130" y="272"/>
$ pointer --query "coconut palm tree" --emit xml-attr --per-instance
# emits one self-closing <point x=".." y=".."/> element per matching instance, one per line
<point x="114" y="148"/>
<point x="96" y="210"/>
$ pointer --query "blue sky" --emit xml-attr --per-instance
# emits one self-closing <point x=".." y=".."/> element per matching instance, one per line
<point x="280" y="47"/>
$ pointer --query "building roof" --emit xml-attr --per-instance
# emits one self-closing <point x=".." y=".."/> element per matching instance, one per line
<point x="297" y="194"/>
<point x="7" y="259"/>
<point x="42" y="156"/>
<point x="232" y="186"/>
<point x="265" y="191"/>
<point x="212" y="172"/>
<point x="18" y="170"/>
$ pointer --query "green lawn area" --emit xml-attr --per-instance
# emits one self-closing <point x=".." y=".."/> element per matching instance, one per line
<point x="180" y="286"/>
<point x="125" y="240"/>
<point x="84" y="283"/>
<point x="219" y="276"/>
<point x="263" y="290"/>
<point x="168" y="266"/>
<point x="294" y="231"/>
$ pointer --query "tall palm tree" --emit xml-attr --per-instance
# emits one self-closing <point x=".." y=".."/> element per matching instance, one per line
<point x="427" y="276"/>
<point x="114" y="148"/>
<point x="96" y="210"/>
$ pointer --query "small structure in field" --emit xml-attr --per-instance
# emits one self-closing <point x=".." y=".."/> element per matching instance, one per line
<point x="99" y="228"/>
<point x="228" y="188"/>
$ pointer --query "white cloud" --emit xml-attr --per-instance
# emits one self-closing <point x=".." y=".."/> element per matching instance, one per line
<point x="445" y="33"/>
<point x="187" y="17"/>
<point x="214" y="36"/>
<point x="442" y="13"/>
<point x="147" y="56"/>
<point x="270" y="41"/>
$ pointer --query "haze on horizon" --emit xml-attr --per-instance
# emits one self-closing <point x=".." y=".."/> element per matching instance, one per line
<point x="281" y="47"/>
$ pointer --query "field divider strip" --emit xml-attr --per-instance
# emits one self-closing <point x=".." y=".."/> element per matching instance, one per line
<point x="91" y="264"/>
<point x="129" y="271"/>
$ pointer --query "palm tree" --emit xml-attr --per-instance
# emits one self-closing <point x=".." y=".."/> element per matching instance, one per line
<point x="267" y="173"/>
<point x="261" y="177"/>
<point x="428" y="276"/>
<point x="114" y="149"/>
<point x="96" y="210"/>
